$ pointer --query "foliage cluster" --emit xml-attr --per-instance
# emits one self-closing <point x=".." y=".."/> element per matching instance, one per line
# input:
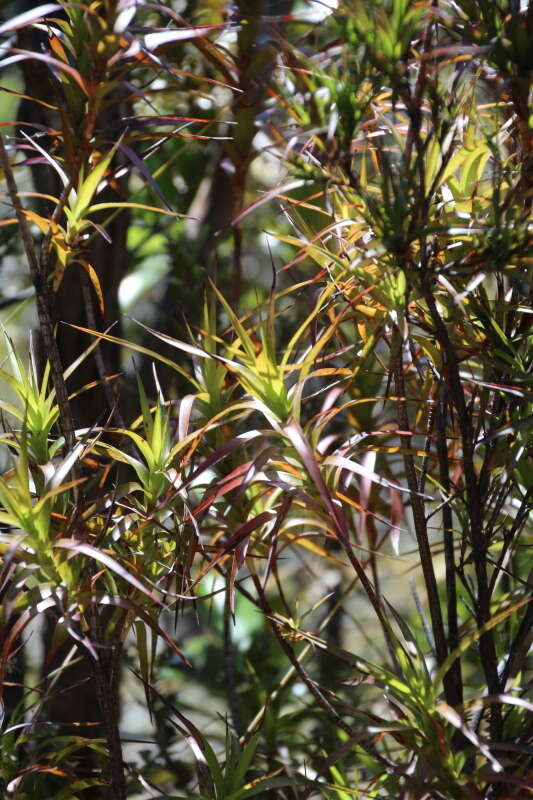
<point x="308" y="503"/>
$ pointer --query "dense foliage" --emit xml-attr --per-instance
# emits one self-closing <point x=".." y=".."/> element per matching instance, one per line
<point x="268" y="467"/>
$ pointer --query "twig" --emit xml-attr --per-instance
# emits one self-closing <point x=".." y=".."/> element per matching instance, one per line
<point x="291" y="655"/>
<point x="107" y="673"/>
<point x="453" y="683"/>
<point x="417" y="502"/>
<point x="231" y="672"/>
<point x="474" y="501"/>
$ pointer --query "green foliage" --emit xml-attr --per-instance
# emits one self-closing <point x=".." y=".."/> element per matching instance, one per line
<point x="325" y="473"/>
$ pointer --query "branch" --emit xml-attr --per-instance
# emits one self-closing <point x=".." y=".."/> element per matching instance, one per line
<point x="417" y="503"/>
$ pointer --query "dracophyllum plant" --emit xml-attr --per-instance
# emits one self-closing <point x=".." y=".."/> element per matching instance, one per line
<point x="274" y="381"/>
<point x="69" y="241"/>
<point x="256" y="367"/>
<point x="33" y="513"/>
<point x="155" y="455"/>
<point x="38" y="411"/>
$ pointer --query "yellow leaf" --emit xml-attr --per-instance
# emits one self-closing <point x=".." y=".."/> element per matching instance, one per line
<point x="42" y="223"/>
<point x="308" y="544"/>
<point x="368" y="311"/>
<point x="62" y="252"/>
<point x="91" y="272"/>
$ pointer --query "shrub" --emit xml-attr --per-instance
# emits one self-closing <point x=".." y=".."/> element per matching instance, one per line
<point x="315" y="514"/>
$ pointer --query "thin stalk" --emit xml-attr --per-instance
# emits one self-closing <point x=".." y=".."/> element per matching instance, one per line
<point x="230" y="670"/>
<point x="107" y="674"/>
<point x="417" y="502"/>
<point x="453" y="680"/>
<point x="237" y="263"/>
<point x="487" y="646"/>
<point x="296" y="663"/>
<point x="101" y="366"/>
<point x="302" y="656"/>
